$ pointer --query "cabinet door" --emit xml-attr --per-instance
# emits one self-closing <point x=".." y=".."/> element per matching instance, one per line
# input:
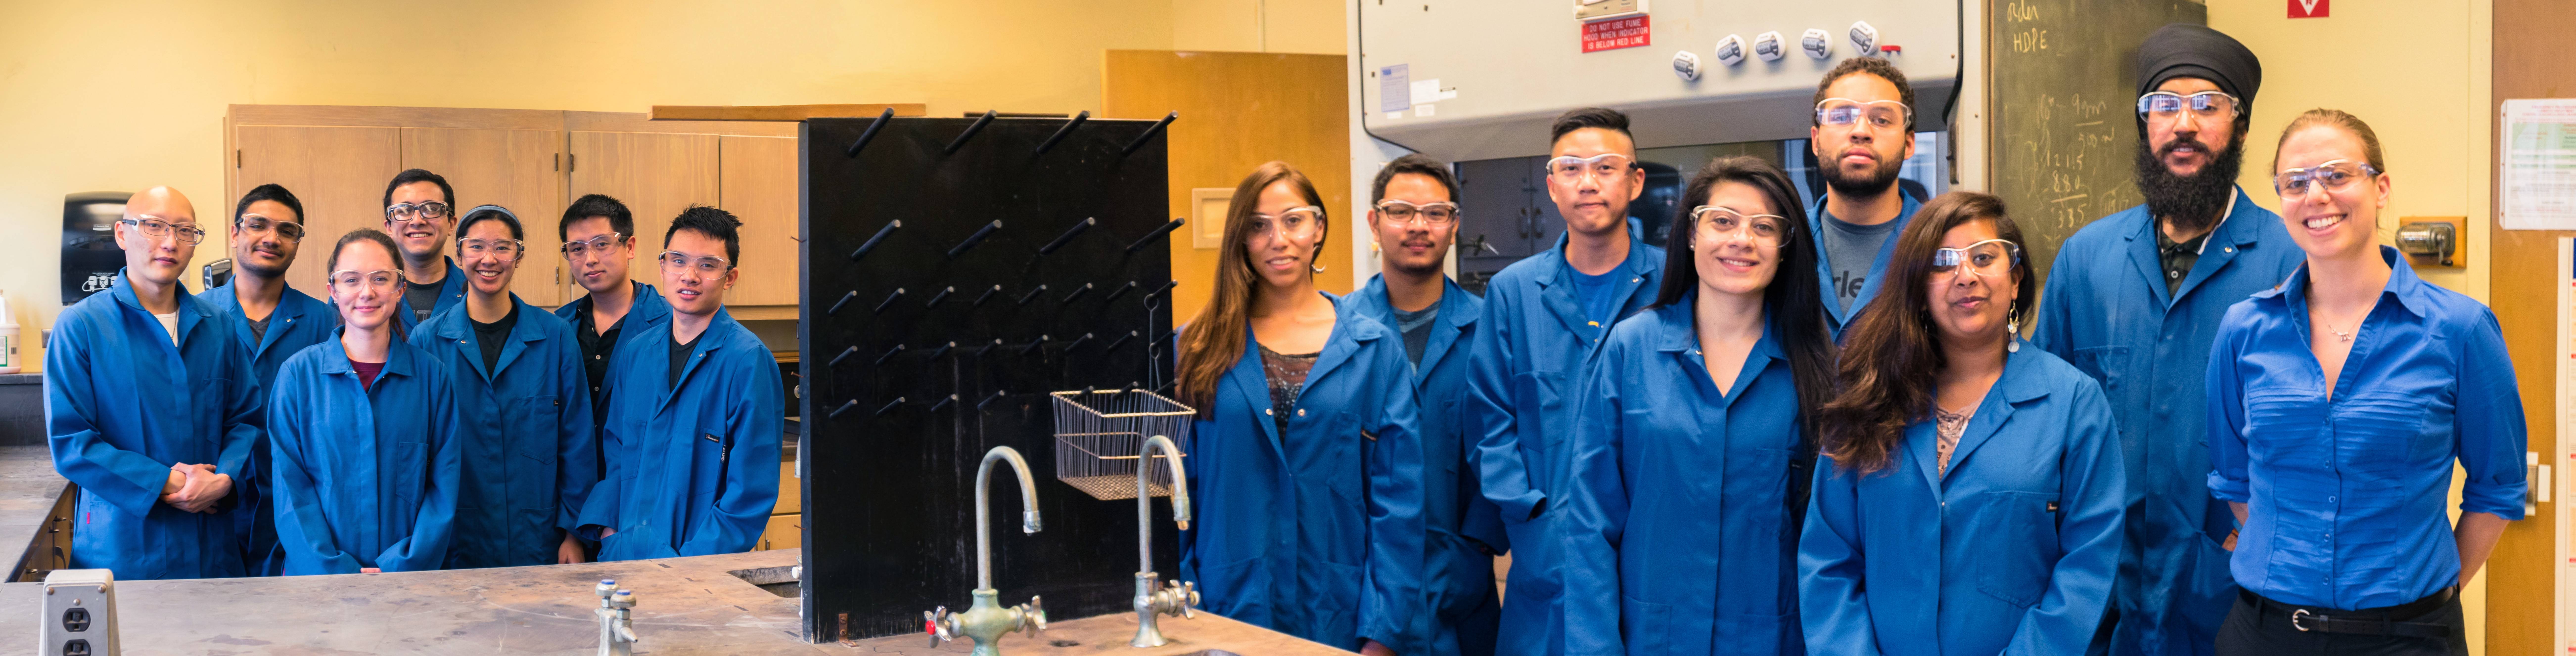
<point x="655" y="175"/>
<point x="759" y="185"/>
<point x="510" y="168"/>
<point x="339" y="173"/>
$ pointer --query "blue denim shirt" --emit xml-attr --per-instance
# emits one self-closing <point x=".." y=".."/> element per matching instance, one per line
<point x="2346" y="492"/>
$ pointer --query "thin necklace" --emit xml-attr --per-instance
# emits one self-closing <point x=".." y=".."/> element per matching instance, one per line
<point x="2341" y="335"/>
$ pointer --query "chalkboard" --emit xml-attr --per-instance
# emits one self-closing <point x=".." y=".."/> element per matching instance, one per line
<point x="2065" y="87"/>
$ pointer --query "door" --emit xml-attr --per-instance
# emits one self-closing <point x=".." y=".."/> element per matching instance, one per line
<point x="758" y="185"/>
<point x="338" y="173"/>
<point x="516" y="169"/>
<point x="655" y="175"/>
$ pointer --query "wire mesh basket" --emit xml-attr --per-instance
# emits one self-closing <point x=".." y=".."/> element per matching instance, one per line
<point x="1098" y="432"/>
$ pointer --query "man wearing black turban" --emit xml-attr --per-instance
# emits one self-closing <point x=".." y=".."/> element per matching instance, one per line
<point x="2135" y="300"/>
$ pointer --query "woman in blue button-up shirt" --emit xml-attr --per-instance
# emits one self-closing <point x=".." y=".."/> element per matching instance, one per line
<point x="1973" y="502"/>
<point x="2337" y="403"/>
<point x="1690" y="452"/>
<point x="1306" y="458"/>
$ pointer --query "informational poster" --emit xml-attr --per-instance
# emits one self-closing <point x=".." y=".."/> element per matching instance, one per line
<point x="2536" y="165"/>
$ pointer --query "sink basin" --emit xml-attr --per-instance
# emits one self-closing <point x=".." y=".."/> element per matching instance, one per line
<point x="779" y="580"/>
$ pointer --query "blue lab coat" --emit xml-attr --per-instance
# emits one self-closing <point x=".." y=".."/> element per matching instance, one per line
<point x="694" y="470"/>
<point x="451" y="291"/>
<point x="1527" y="359"/>
<point x="1679" y="537"/>
<point x="526" y="444"/>
<point x="2106" y="311"/>
<point x="1316" y="533"/>
<point x="364" y="477"/>
<point x="648" y="308"/>
<point x="1838" y="317"/>
<point x="1462" y="530"/>
<point x="122" y="405"/>
<point x="297" y="322"/>
<point x="2012" y="552"/>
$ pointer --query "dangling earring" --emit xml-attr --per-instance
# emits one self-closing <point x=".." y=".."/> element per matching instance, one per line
<point x="1372" y="246"/>
<point x="1319" y="268"/>
<point x="2012" y="343"/>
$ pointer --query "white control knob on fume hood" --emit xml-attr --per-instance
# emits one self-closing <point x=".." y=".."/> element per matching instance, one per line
<point x="1864" y="38"/>
<point x="1730" y="50"/>
<point x="1817" y="43"/>
<point x="1686" y="64"/>
<point x="1768" y="46"/>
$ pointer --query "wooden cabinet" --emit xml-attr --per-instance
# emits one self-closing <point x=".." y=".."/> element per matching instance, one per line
<point x="759" y="185"/>
<point x="656" y="175"/>
<point x="517" y="169"/>
<point x="338" y="172"/>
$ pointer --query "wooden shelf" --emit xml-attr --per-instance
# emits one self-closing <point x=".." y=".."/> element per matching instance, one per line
<point x="779" y="112"/>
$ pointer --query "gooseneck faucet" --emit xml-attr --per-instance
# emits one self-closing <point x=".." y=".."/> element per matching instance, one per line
<point x="986" y="621"/>
<point x="1180" y="598"/>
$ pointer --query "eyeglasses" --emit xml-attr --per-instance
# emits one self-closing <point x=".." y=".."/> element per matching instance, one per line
<point x="1294" y="223"/>
<point x="255" y="224"/>
<point x="376" y="279"/>
<point x="1432" y="214"/>
<point x="600" y="244"/>
<point x="1609" y="167"/>
<point x="1716" y="222"/>
<point x="423" y="211"/>
<point x="2166" y="106"/>
<point x="675" y="262"/>
<point x="2333" y="176"/>
<point x="1879" y="115"/>
<point x="506" y="250"/>
<point x="1992" y="257"/>
<point x="153" y="226"/>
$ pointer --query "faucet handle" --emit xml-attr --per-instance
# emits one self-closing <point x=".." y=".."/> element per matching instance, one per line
<point x="1185" y="594"/>
<point x="1032" y="616"/>
<point x="936" y="624"/>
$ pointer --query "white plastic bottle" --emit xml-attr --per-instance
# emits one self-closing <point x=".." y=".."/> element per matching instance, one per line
<point x="9" y="363"/>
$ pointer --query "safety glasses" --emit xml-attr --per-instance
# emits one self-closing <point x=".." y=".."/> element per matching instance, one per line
<point x="2331" y="176"/>
<point x="1713" y="222"/>
<point x="1992" y="257"/>
<point x="1879" y="115"/>
<point x="2166" y="106"/>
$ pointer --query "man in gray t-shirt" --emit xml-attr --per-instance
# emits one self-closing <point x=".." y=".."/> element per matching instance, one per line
<point x="1851" y="250"/>
<point x="1862" y="133"/>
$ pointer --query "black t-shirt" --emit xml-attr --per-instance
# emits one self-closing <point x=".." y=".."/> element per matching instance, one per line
<point x="597" y="347"/>
<point x="680" y="356"/>
<point x="492" y="336"/>
<point x="422" y="298"/>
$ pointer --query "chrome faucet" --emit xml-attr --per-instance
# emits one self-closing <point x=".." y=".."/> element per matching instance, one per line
<point x="616" y="615"/>
<point x="1180" y="598"/>
<point x="986" y="621"/>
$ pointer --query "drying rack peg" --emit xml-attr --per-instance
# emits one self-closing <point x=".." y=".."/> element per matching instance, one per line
<point x="1150" y="131"/>
<point x="941" y="296"/>
<point x="1069" y="233"/>
<point x="1156" y="234"/>
<point x="1025" y="298"/>
<point x="1077" y="342"/>
<point x="988" y="348"/>
<point x="971" y="129"/>
<point x="1077" y="292"/>
<point x="844" y="409"/>
<point x="1122" y="340"/>
<point x="1165" y="287"/>
<point x="987" y="295"/>
<point x="869" y="134"/>
<point x="977" y="238"/>
<point x="1034" y="345"/>
<point x="845" y="300"/>
<point x="943" y="403"/>
<point x="889" y="354"/>
<point x="997" y="395"/>
<point x="1061" y="132"/>
<point x="1120" y="291"/>
<point x="871" y="243"/>
<point x="889" y="407"/>
<point x="845" y="355"/>
<point x="889" y="301"/>
<point x="942" y="350"/>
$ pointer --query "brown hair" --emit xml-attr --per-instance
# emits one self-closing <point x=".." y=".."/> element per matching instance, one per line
<point x="1872" y="66"/>
<point x="2339" y="119"/>
<point x="332" y="263"/>
<point x="1891" y="355"/>
<point x="1213" y="341"/>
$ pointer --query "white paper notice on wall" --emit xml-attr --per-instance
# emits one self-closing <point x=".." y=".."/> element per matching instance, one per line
<point x="2536" y="165"/>
<point x="1393" y="92"/>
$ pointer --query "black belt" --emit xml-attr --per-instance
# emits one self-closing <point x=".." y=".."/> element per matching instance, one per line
<point x="2387" y="621"/>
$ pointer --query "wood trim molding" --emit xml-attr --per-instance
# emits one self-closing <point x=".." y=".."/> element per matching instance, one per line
<point x="639" y="122"/>
<point x="779" y="112"/>
<point x="409" y="117"/>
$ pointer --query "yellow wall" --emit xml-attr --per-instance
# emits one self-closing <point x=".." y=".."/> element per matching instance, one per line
<point x="2419" y="73"/>
<point x="124" y="95"/>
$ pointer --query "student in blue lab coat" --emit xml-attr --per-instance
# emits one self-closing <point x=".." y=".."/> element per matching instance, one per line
<point x="694" y="418"/>
<point x="1543" y="316"/>
<point x="363" y="433"/>
<point x="1414" y="222"/>
<point x="1862" y="133"/>
<point x="2337" y="405"/>
<point x="151" y="407"/>
<point x="1971" y="504"/>
<point x="420" y="215"/>
<point x="2134" y="301"/>
<point x="1691" y="451"/>
<point x="527" y="451"/>
<point x="599" y="245"/>
<point x="1306" y="459"/>
<point x="268" y="227"/>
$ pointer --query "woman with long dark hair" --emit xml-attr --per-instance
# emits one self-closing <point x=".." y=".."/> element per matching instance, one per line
<point x="2338" y="402"/>
<point x="1691" y="446"/>
<point x="1306" y="456"/>
<point x="1973" y="497"/>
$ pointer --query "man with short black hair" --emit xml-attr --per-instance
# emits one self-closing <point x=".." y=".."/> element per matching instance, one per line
<point x="1543" y="315"/>
<point x="1862" y="132"/>
<point x="710" y="398"/>
<point x="420" y="214"/>
<point x="527" y="453"/>
<point x="2135" y="301"/>
<point x="151" y="409"/>
<point x="268" y="227"/>
<point x="598" y="235"/>
<point x="1413" y="221"/>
